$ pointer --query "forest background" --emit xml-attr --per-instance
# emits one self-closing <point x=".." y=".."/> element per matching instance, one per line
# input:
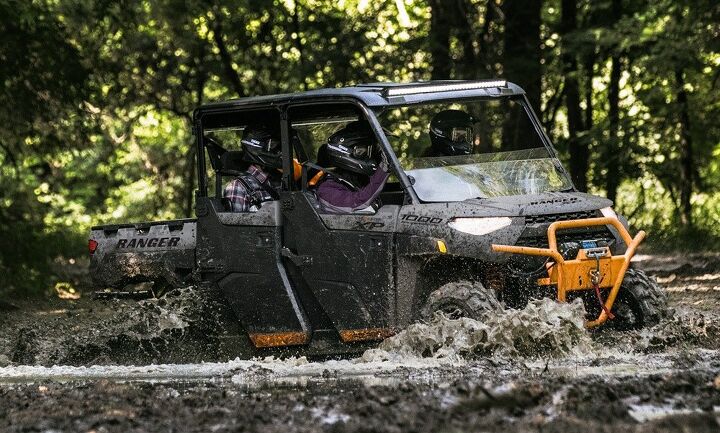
<point x="96" y="98"/>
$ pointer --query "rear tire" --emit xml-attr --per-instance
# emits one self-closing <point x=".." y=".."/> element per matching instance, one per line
<point x="641" y="303"/>
<point x="462" y="299"/>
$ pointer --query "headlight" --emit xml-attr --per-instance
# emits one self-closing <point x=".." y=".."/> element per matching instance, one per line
<point x="479" y="226"/>
<point x="608" y="212"/>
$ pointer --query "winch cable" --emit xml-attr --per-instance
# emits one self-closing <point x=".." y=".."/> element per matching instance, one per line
<point x="595" y="278"/>
<point x="602" y="304"/>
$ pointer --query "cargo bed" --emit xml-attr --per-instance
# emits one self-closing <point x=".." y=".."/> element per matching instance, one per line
<point x="160" y="251"/>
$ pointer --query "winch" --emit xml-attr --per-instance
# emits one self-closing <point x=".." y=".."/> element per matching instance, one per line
<point x="593" y="267"/>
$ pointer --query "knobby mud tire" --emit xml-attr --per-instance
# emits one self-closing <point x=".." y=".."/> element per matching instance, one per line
<point x="641" y="303"/>
<point x="462" y="299"/>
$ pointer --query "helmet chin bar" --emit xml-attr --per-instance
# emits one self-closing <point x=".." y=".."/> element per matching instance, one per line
<point x="263" y="158"/>
<point x="449" y="148"/>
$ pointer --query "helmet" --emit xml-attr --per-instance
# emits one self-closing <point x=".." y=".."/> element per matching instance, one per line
<point x="261" y="146"/>
<point x="451" y="133"/>
<point x="351" y="149"/>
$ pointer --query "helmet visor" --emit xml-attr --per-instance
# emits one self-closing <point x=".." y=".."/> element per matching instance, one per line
<point x="272" y="145"/>
<point x="461" y="135"/>
<point x="362" y="151"/>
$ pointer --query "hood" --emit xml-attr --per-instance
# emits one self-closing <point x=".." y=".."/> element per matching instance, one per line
<point x="523" y="205"/>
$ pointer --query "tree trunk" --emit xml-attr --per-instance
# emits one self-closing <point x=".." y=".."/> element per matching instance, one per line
<point x="486" y="41"/>
<point x="612" y="147"/>
<point x="465" y="16"/>
<point x="579" y="153"/>
<point x="521" y="62"/>
<point x="440" y="23"/>
<point x="299" y="45"/>
<point x="191" y="162"/>
<point x="226" y="59"/>
<point x="687" y="163"/>
<point x="612" y="179"/>
<point x="589" y="65"/>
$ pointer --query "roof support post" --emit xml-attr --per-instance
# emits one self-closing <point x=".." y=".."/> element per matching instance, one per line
<point x="392" y="158"/>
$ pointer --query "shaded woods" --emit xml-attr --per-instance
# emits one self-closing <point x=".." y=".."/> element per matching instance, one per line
<point x="97" y="98"/>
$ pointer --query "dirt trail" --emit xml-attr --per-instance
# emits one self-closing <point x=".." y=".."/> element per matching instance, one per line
<point x="509" y="373"/>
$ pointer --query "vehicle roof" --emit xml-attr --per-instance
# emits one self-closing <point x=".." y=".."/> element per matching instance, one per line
<point x="378" y="95"/>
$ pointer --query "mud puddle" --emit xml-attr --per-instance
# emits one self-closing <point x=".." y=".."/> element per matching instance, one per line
<point x="462" y="400"/>
<point x="530" y="370"/>
<point x="545" y="340"/>
<point x="298" y="371"/>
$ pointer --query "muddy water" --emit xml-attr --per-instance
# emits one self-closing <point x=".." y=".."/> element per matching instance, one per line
<point x="184" y="325"/>
<point x="530" y="370"/>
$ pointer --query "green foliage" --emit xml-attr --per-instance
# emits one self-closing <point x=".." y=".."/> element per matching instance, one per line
<point x="42" y="86"/>
<point x="96" y="98"/>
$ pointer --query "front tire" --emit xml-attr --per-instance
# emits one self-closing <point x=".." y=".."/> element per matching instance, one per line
<point x="641" y="303"/>
<point x="462" y="299"/>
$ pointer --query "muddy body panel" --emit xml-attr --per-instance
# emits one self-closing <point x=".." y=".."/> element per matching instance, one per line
<point x="344" y="263"/>
<point x="296" y="284"/>
<point x="423" y="268"/>
<point x="529" y="218"/>
<point x="131" y="253"/>
<point x="240" y="253"/>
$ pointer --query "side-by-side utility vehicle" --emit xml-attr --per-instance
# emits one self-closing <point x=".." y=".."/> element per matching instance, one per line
<point x="455" y="234"/>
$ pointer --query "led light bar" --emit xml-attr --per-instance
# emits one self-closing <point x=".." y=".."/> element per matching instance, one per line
<point x="432" y="88"/>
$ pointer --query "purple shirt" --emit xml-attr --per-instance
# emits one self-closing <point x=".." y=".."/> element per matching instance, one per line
<point x="337" y="195"/>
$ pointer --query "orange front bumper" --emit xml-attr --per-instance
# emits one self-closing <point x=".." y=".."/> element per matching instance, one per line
<point x="571" y="275"/>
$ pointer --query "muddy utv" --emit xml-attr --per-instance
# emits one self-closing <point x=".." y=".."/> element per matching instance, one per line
<point x="456" y="234"/>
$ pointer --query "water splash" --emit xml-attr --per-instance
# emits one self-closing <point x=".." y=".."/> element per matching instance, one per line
<point x="544" y="328"/>
<point x="126" y="332"/>
<point x="678" y="332"/>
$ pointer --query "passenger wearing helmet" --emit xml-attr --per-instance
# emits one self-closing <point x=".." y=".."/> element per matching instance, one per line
<point x="451" y="134"/>
<point x="361" y="170"/>
<point x="261" y="148"/>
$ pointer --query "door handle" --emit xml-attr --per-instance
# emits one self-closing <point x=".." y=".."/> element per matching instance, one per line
<point x="296" y="259"/>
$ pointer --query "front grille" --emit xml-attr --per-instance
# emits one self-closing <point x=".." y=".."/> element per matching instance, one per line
<point x="551" y="218"/>
<point x="542" y="242"/>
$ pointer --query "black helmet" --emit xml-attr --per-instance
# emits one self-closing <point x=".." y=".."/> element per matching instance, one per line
<point x="261" y="146"/>
<point x="350" y="148"/>
<point x="451" y="133"/>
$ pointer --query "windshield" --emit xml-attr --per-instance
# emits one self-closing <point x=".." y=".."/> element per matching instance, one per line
<point x="471" y="149"/>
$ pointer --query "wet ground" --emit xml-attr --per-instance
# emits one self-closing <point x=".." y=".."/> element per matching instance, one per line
<point x="67" y="366"/>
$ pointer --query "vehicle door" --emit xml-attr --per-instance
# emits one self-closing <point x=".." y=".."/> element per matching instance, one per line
<point x="240" y="251"/>
<point x="343" y="262"/>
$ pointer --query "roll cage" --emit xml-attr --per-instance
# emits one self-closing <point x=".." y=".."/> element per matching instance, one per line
<point x="370" y="100"/>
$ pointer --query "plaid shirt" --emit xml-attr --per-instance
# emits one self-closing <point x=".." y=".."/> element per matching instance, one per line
<point x="248" y="190"/>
